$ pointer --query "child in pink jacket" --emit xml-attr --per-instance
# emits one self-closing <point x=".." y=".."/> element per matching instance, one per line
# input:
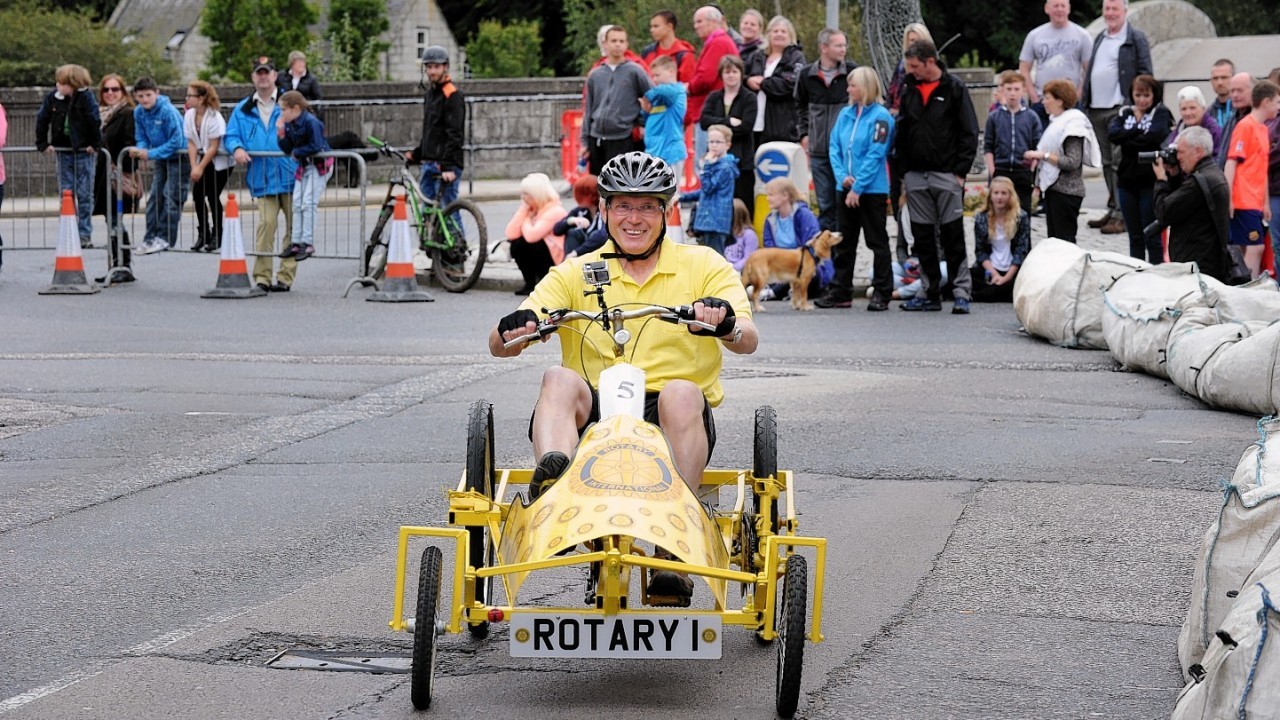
<point x="533" y="246"/>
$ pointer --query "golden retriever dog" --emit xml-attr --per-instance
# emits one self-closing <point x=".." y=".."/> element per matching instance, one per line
<point x="795" y="265"/>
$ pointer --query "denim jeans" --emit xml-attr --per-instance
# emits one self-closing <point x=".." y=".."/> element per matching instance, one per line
<point x="1139" y="210"/>
<point x="306" y="202"/>
<point x="437" y="189"/>
<point x="699" y="147"/>
<point x="714" y="240"/>
<point x="170" y="182"/>
<point x="75" y="173"/>
<point x="824" y="186"/>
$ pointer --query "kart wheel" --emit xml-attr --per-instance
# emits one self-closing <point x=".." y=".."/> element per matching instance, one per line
<point x="424" y="629"/>
<point x="765" y="458"/>
<point x="480" y="477"/>
<point x="791" y="615"/>
<point x="458" y="268"/>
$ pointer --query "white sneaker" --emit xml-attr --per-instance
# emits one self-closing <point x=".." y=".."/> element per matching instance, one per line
<point x="766" y="293"/>
<point x="146" y="248"/>
<point x="161" y="246"/>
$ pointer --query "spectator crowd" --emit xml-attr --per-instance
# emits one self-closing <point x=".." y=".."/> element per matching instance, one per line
<point x="1187" y="183"/>
<point x="1194" y="182"/>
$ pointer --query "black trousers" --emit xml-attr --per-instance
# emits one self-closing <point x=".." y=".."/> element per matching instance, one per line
<point x="1023" y="179"/>
<point x="533" y="259"/>
<point x="868" y="218"/>
<point x="207" y="195"/>
<point x="601" y="151"/>
<point x="952" y="237"/>
<point x="1061" y="215"/>
<point x="984" y="291"/>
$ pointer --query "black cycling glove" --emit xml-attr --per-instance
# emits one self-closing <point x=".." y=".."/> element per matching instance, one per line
<point x="517" y="321"/>
<point x="726" y="325"/>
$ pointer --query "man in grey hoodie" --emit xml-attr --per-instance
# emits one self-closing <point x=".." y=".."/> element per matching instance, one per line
<point x="611" y="116"/>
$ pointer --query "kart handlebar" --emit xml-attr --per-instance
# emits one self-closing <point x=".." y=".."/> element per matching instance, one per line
<point x="682" y="315"/>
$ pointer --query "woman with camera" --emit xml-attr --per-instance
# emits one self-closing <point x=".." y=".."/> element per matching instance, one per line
<point x="1140" y="128"/>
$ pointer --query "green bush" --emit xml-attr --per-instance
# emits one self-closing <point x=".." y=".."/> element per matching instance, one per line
<point x="507" y="51"/>
<point x="241" y="30"/>
<point x="354" y="47"/>
<point x="38" y="40"/>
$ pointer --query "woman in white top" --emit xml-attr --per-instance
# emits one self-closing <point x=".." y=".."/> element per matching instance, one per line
<point x="772" y="75"/>
<point x="204" y="127"/>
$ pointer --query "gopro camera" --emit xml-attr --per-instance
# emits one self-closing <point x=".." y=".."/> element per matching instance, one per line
<point x="596" y="273"/>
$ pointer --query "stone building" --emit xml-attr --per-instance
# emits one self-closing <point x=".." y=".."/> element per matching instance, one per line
<point x="174" y="25"/>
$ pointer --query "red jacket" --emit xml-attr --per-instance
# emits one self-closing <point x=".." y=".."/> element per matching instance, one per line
<point x="706" y="73"/>
<point x="683" y="53"/>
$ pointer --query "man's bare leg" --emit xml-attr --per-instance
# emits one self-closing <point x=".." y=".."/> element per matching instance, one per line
<point x="680" y="407"/>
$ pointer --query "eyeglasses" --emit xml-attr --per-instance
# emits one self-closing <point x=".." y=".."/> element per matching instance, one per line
<point x="646" y="210"/>
<point x="106" y="90"/>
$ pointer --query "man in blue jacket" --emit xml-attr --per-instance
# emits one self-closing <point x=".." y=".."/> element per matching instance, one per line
<point x="158" y="138"/>
<point x="252" y="129"/>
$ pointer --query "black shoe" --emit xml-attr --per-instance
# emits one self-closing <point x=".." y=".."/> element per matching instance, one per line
<point x="304" y="252"/>
<point x="668" y="588"/>
<point x="291" y="251"/>
<point x="918" y="303"/>
<point x="877" y="303"/>
<point x="213" y="247"/>
<point x="833" y="301"/>
<point x="118" y="277"/>
<point x="201" y="243"/>
<point x="550" y="468"/>
<point x="278" y="286"/>
<point x="264" y="287"/>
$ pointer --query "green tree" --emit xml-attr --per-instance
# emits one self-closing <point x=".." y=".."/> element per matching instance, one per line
<point x="502" y="51"/>
<point x="583" y="19"/>
<point x="37" y="40"/>
<point x="241" y="30"/>
<point x="465" y="16"/>
<point x="354" y="47"/>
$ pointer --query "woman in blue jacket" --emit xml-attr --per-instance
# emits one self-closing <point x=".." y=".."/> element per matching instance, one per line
<point x="859" y="155"/>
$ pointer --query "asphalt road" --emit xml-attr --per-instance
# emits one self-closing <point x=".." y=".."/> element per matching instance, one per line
<point x="191" y="486"/>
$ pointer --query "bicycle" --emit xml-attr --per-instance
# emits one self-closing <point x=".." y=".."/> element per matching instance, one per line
<point x="454" y="237"/>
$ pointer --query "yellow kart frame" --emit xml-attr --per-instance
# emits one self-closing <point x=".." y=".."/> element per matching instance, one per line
<point x="762" y="551"/>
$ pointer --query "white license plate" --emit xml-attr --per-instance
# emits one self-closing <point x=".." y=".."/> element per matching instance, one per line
<point x="640" y="636"/>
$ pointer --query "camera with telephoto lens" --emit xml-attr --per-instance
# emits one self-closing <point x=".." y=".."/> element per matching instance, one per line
<point x="1167" y="155"/>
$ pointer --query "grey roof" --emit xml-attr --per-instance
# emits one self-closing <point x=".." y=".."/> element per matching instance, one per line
<point x="157" y="20"/>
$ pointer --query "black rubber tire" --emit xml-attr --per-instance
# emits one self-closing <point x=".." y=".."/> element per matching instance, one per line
<point x="477" y="238"/>
<point x="765" y="457"/>
<point x="480" y="477"/>
<point x="791" y="617"/>
<point x="375" y="251"/>
<point x="424" y="629"/>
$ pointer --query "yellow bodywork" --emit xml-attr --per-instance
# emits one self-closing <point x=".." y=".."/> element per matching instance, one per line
<point x="620" y="488"/>
<point x="620" y="482"/>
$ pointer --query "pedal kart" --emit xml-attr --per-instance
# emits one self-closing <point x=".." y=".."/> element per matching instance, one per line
<point x="618" y="500"/>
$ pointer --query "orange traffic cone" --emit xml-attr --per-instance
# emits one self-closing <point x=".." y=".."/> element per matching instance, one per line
<point x="68" y="265"/>
<point x="401" y="284"/>
<point x="233" y="273"/>
<point x="675" y="230"/>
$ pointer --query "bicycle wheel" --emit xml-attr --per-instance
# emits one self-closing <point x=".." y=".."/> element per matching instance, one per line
<point x="457" y="264"/>
<point x="375" y="251"/>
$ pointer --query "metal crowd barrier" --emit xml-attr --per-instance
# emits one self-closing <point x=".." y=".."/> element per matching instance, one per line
<point x="33" y="200"/>
<point x="29" y="216"/>
<point x="340" y="223"/>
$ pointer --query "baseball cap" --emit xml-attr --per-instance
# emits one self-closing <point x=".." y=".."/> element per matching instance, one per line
<point x="263" y="63"/>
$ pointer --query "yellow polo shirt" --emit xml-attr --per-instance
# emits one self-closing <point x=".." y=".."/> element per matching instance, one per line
<point x="665" y="352"/>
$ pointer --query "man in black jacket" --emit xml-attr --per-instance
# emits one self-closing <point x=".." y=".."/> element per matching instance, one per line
<point x="936" y="141"/>
<point x="1121" y="52"/>
<point x="822" y="91"/>
<point x="1198" y="220"/>
<point x="444" y="116"/>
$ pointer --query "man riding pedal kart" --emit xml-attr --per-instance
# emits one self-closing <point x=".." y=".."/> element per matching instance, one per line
<point x="682" y="367"/>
